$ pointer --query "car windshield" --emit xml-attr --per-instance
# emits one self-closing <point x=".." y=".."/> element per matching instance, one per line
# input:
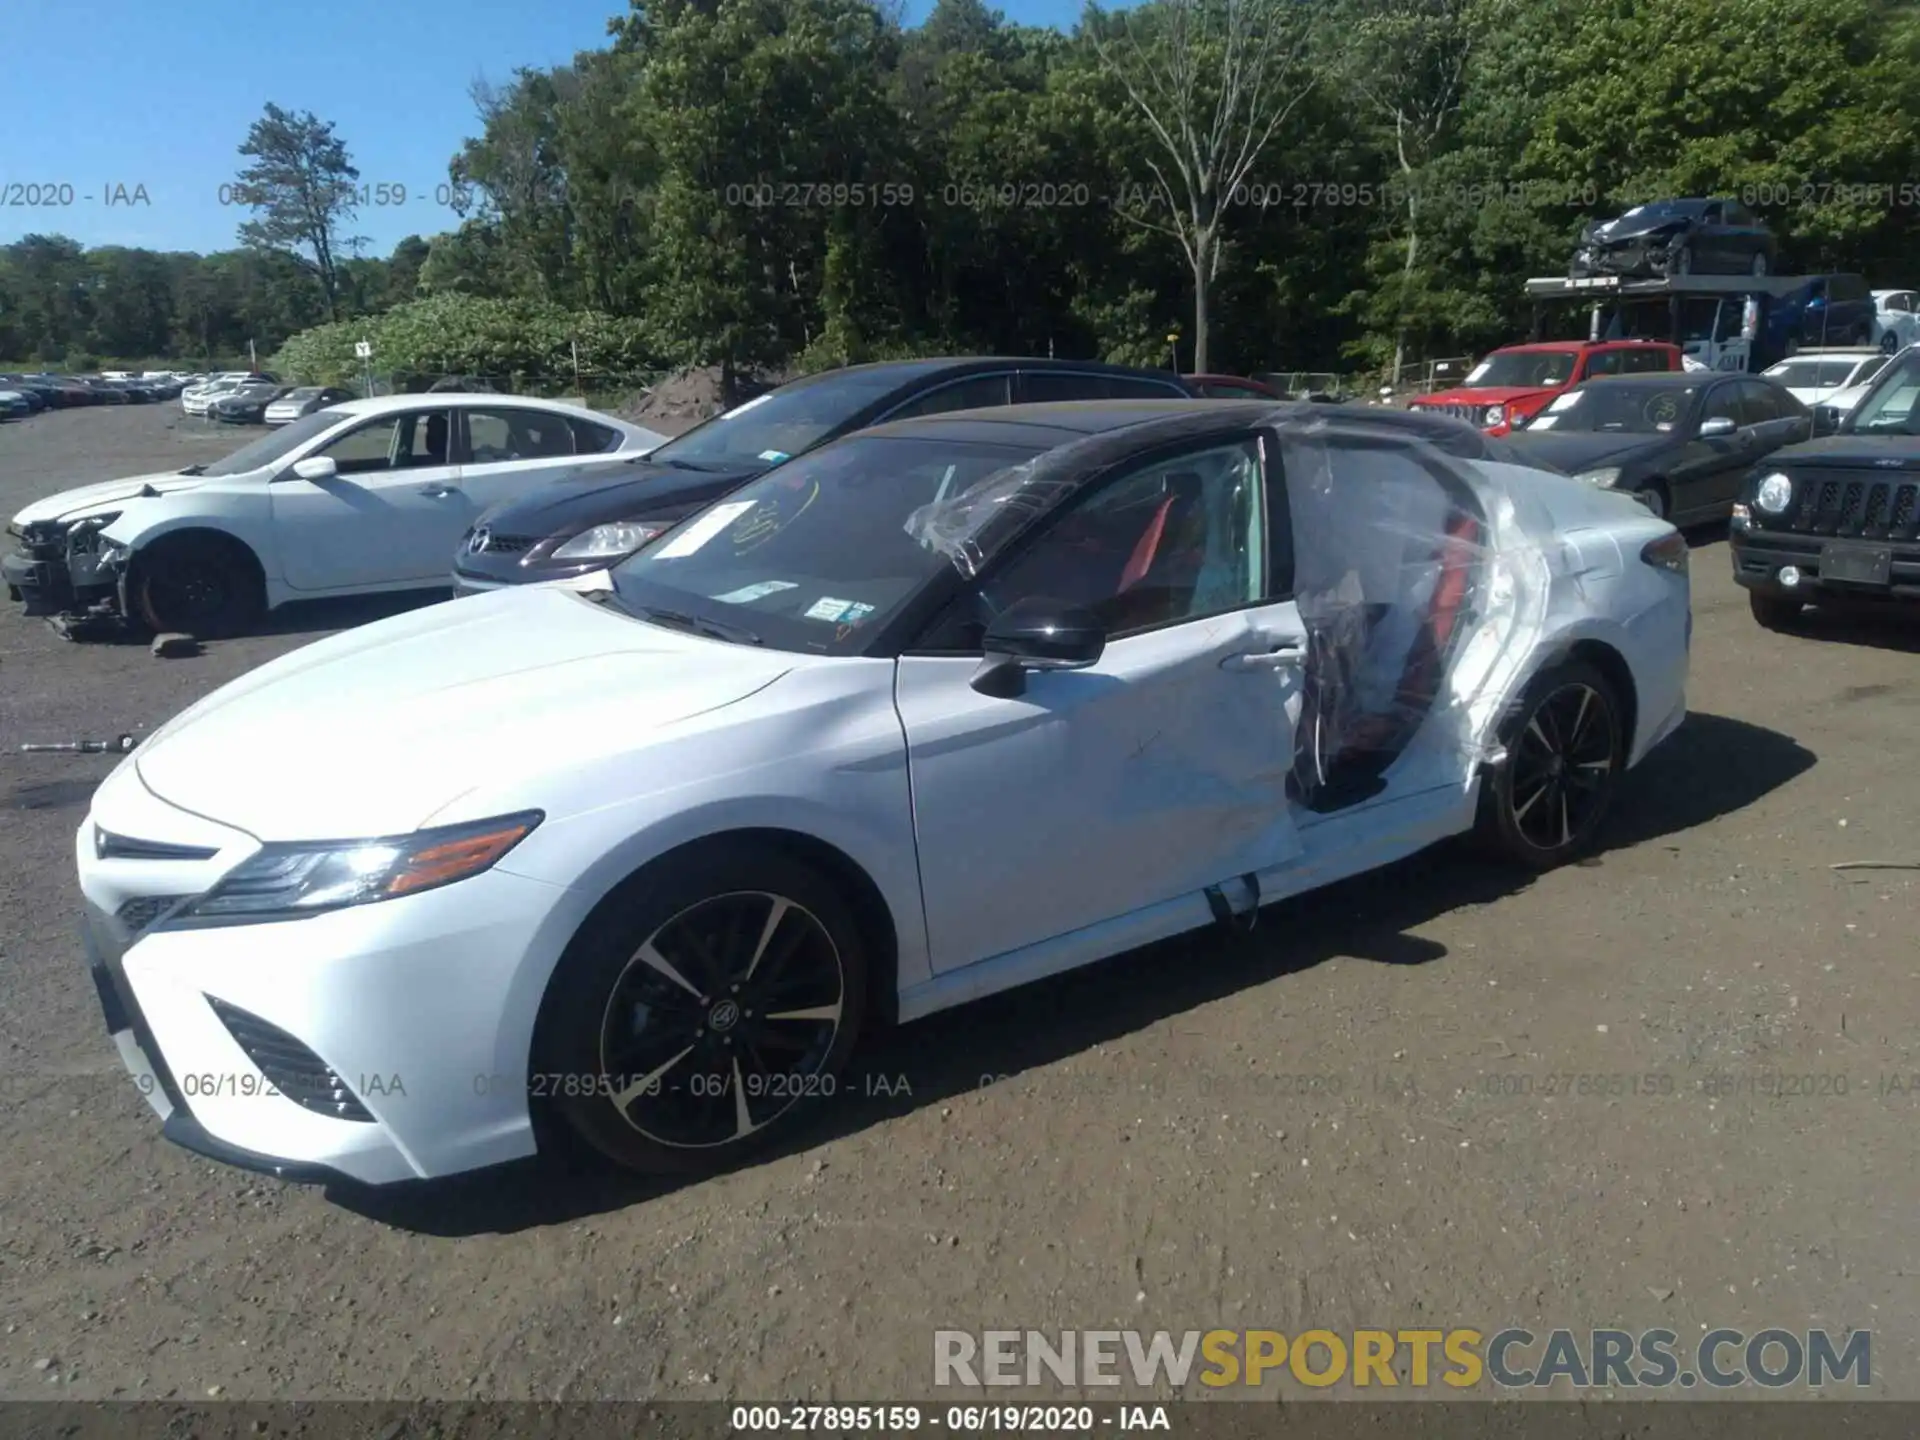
<point x="1889" y="408"/>
<point x="1661" y="210"/>
<point x="781" y="423"/>
<point x="1521" y="367"/>
<point x="1812" y="374"/>
<point x="815" y="555"/>
<point x="1621" y="409"/>
<point x="273" y="445"/>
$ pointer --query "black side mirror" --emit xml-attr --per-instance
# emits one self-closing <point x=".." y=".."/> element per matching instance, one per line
<point x="1037" y="634"/>
<point x="1826" y="420"/>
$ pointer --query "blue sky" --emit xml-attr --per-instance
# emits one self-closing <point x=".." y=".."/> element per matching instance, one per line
<point x="119" y="96"/>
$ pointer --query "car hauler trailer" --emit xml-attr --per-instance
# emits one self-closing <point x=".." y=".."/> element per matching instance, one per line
<point x="1725" y="322"/>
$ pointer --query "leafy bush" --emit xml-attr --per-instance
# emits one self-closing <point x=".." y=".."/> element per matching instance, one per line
<point x="513" y="343"/>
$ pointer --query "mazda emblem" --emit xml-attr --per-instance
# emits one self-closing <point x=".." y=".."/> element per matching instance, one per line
<point x="481" y="539"/>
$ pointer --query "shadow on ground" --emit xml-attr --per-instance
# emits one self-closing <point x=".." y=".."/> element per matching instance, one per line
<point x="1878" y="626"/>
<point x="1711" y="767"/>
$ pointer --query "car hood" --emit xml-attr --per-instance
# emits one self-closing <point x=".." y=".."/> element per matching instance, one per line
<point x="1574" y="452"/>
<point x="373" y="731"/>
<point x="1851" y="452"/>
<point x="1639" y="228"/>
<point x="1485" y="395"/>
<point x="590" y="495"/>
<point x="74" y="504"/>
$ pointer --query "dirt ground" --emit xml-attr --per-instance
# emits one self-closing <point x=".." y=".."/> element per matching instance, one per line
<point x="1328" y="1123"/>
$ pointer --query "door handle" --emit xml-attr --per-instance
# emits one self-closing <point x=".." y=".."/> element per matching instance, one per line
<point x="1282" y="657"/>
<point x="439" y="492"/>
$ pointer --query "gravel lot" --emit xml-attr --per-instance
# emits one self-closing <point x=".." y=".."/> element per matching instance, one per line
<point x="1317" y="1125"/>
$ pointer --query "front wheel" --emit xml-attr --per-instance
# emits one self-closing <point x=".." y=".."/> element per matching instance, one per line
<point x="1565" y="751"/>
<point x="196" y="586"/>
<point x="1654" y="497"/>
<point x="1760" y="265"/>
<point x="706" y="1005"/>
<point x="1889" y="343"/>
<point x="1682" y="261"/>
<point x="1774" y="612"/>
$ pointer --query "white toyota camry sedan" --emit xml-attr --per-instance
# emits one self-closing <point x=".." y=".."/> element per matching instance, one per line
<point x="937" y="710"/>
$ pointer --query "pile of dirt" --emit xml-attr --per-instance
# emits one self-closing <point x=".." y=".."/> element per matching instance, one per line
<point x="687" y="397"/>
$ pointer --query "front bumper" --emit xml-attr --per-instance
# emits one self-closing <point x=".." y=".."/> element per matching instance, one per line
<point x="48" y="580"/>
<point x="1646" y="256"/>
<point x="478" y="574"/>
<point x="421" y="1009"/>
<point x="1759" y="555"/>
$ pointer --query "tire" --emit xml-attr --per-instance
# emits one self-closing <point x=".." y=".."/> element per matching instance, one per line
<point x="1654" y="497"/>
<point x="1890" y="343"/>
<point x="1538" y="813"/>
<point x="1681" y="262"/>
<point x="196" y="585"/>
<point x="699" y="1101"/>
<point x="1774" y="612"/>
<point x="1760" y="265"/>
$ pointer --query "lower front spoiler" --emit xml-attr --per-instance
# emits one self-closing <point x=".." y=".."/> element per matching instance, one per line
<point x="189" y="1134"/>
<point x="86" y="605"/>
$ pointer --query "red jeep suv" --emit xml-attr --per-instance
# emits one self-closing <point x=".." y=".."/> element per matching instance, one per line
<point x="1517" y="382"/>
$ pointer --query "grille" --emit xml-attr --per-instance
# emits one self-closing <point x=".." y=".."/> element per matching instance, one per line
<point x="509" y="544"/>
<point x="1874" y="507"/>
<point x="140" y="912"/>
<point x="292" y="1069"/>
<point x="1470" y="413"/>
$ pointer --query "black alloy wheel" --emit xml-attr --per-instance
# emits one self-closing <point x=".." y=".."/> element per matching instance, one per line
<point x="704" y="1008"/>
<point x="1565" y="752"/>
<point x="195" y="587"/>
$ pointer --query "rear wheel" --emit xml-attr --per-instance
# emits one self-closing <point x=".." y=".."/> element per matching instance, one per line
<point x="707" y="1005"/>
<point x="1774" y="612"/>
<point x="1761" y="265"/>
<point x="1890" y="343"/>
<point x="1565" y="751"/>
<point x="199" y="585"/>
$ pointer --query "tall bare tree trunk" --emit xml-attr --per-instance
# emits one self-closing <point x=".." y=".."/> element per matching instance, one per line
<point x="1200" y="319"/>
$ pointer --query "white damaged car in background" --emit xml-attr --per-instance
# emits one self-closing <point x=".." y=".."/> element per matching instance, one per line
<point x="935" y="710"/>
<point x="363" y="497"/>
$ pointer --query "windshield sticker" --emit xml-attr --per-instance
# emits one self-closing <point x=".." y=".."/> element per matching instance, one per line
<point x="691" y="537"/>
<point x="828" y="609"/>
<point x="854" y="614"/>
<point x="776" y="456"/>
<point x="756" y="592"/>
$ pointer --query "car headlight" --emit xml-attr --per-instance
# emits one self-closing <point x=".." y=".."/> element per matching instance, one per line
<point x="1606" y="475"/>
<point x="1774" y="493"/>
<point x="287" y="881"/>
<point x="610" y="542"/>
<point x="83" y="536"/>
<point x="1496" y="415"/>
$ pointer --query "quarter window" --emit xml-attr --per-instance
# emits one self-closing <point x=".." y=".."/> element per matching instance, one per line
<point x="976" y="393"/>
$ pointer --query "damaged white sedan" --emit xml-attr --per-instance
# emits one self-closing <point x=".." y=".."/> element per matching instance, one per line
<point x="937" y="710"/>
<point x="357" y="498"/>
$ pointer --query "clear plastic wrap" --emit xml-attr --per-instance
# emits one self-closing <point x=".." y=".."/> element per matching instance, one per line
<point x="1419" y="580"/>
<point x="1412" y="582"/>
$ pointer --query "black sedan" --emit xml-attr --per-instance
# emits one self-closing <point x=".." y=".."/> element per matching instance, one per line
<point x="1679" y="443"/>
<point x="1837" y="518"/>
<point x="591" y="517"/>
<point x="1677" y="237"/>
<point x="248" y="404"/>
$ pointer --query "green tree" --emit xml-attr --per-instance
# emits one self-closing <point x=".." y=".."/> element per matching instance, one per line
<point x="300" y="189"/>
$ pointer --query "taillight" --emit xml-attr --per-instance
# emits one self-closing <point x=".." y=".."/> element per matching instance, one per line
<point x="1669" y="552"/>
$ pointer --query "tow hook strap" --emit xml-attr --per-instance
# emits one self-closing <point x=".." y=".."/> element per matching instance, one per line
<point x="1223" y="913"/>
